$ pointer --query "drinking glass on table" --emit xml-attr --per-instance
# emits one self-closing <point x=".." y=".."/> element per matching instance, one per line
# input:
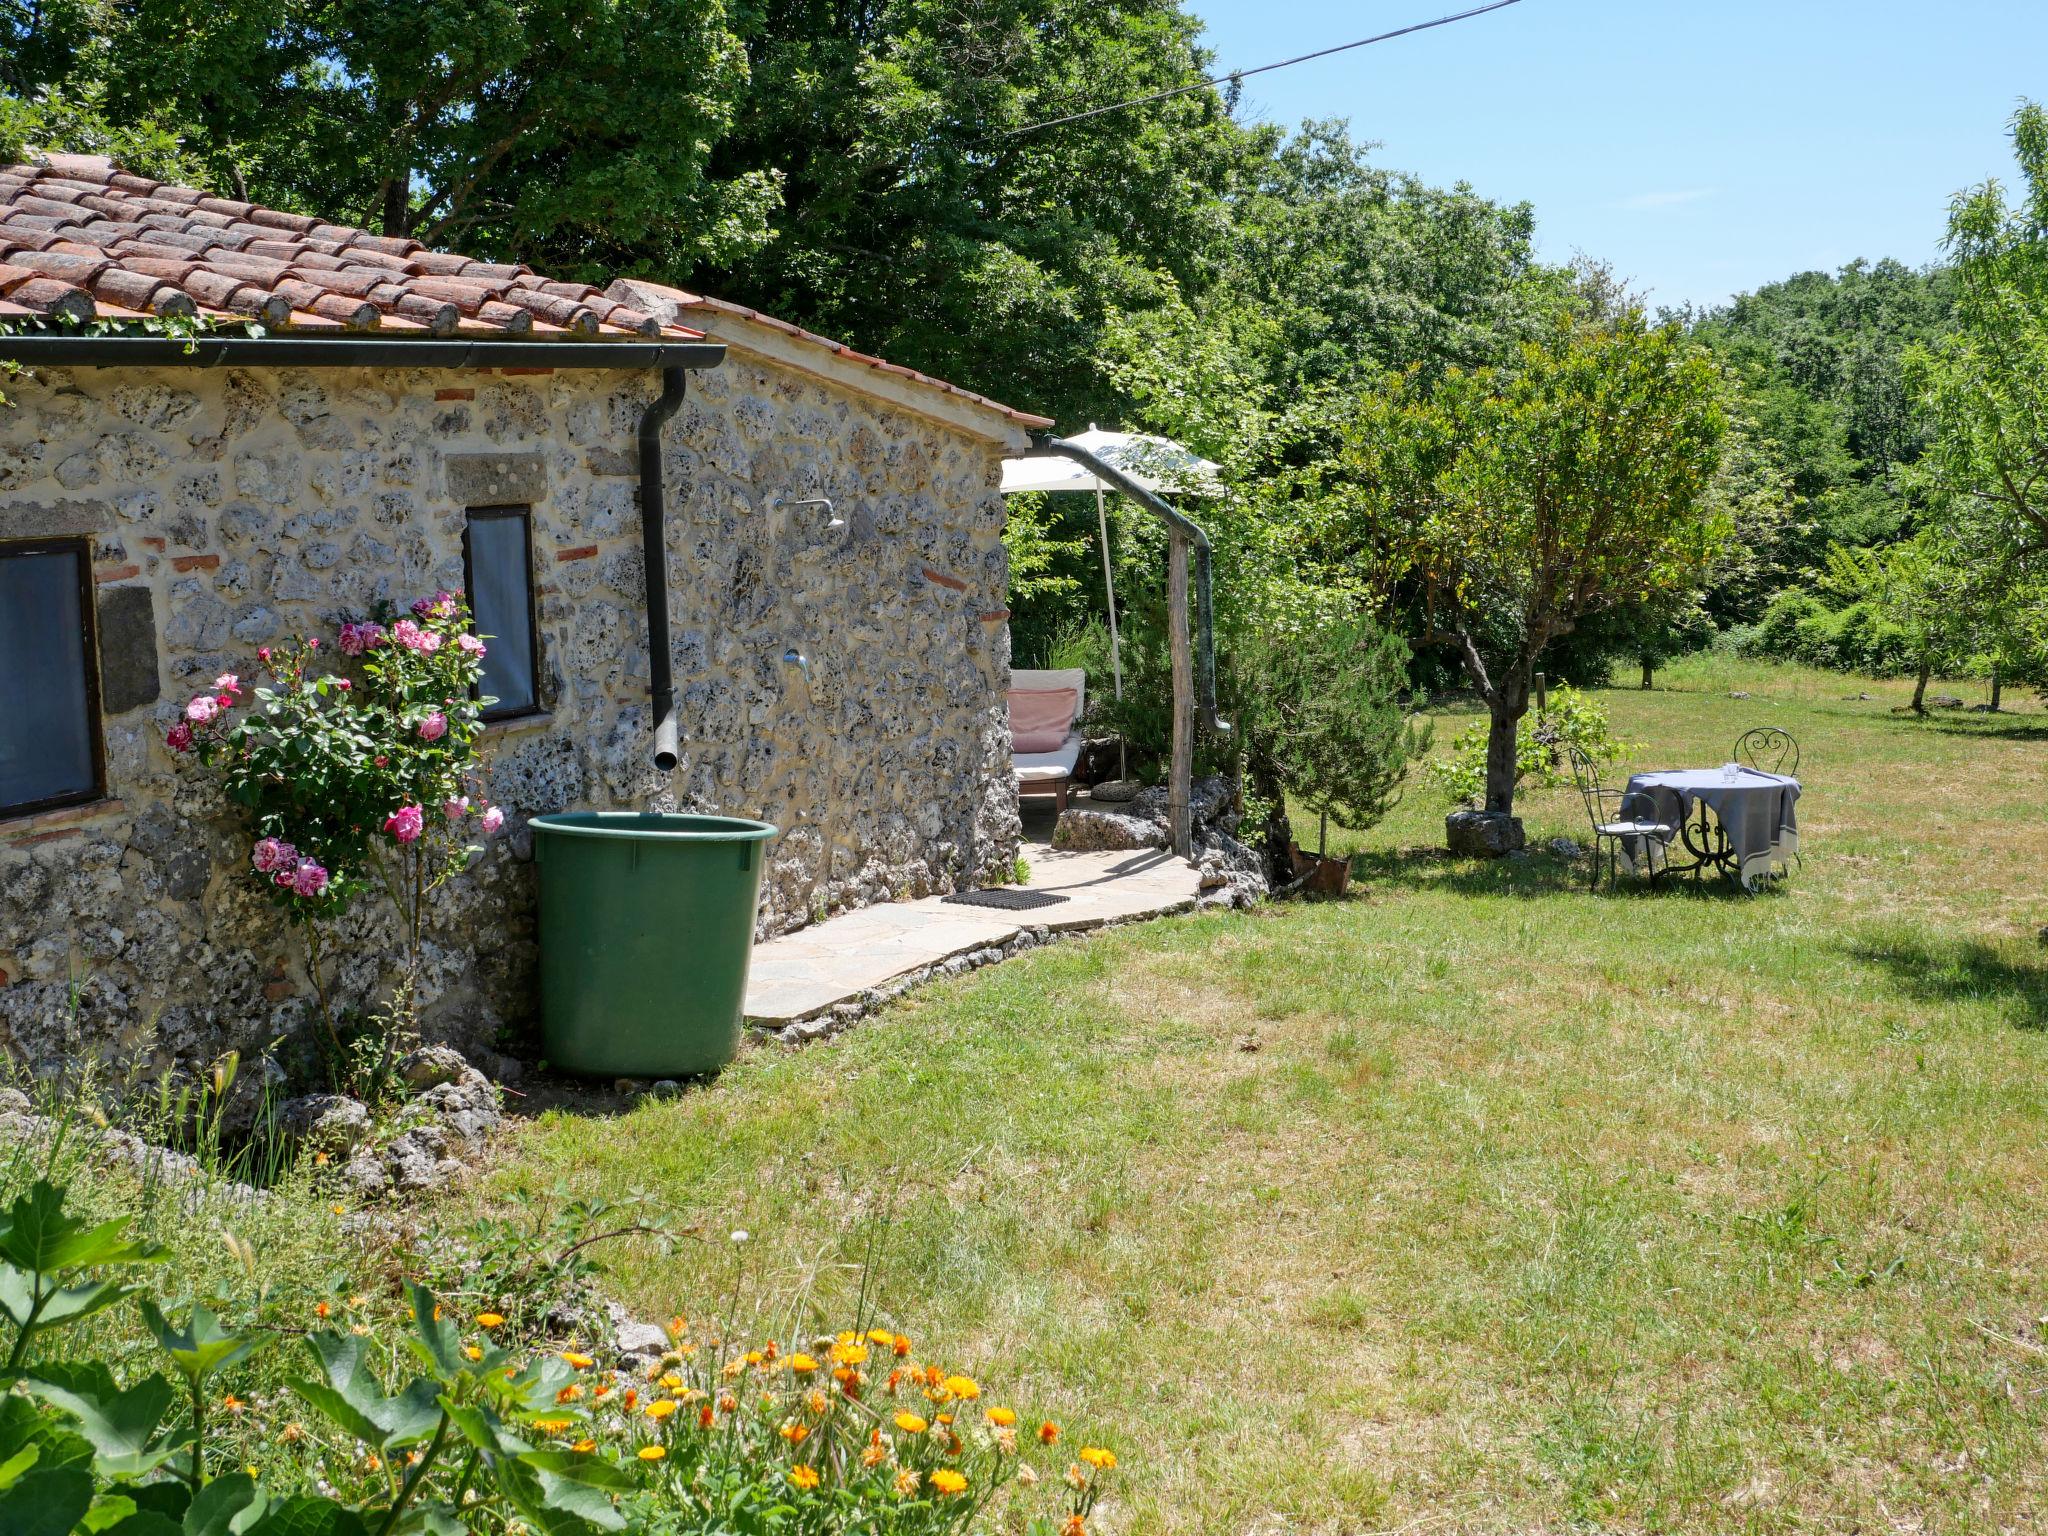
<point x="1730" y="772"/>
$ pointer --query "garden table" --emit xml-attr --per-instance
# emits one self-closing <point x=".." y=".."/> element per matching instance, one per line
<point x="1743" y="823"/>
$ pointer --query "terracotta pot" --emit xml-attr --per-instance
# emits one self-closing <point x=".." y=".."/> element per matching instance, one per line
<point x="1320" y="876"/>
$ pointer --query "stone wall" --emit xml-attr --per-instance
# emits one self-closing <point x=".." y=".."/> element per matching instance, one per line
<point x="230" y="508"/>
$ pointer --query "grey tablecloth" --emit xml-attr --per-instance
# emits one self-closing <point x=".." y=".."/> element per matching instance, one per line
<point x="1757" y="809"/>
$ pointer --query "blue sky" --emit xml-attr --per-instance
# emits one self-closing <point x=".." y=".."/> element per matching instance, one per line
<point x="1704" y="147"/>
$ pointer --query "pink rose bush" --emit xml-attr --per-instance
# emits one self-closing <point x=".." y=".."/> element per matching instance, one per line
<point x="333" y="774"/>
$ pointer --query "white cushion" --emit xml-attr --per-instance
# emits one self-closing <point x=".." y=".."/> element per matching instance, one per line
<point x="1637" y="829"/>
<point x="1048" y="767"/>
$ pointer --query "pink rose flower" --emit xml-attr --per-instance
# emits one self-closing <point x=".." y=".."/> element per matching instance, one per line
<point x="272" y="854"/>
<point x="263" y="654"/>
<point x="225" y="700"/>
<point x="470" y="644"/>
<point x="406" y="823"/>
<point x="179" y="737"/>
<point x="492" y="820"/>
<point x="228" y="682"/>
<point x="202" y="710"/>
<point x="413" y="638"/>
<point x="358" y="638"/>
<point x="455" y="809"/>
<point x="434" y="727"/>
<point x="309" y="879"/>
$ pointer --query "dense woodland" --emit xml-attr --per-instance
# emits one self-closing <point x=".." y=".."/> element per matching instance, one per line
<point x="897" y="174"/>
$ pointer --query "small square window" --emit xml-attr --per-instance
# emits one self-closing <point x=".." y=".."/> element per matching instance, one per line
<point x="497" y="552"/>
<point x="50" y="729"/>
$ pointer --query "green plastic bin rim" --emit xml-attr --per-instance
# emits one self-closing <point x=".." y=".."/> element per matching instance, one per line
<point x="655" y="827"/>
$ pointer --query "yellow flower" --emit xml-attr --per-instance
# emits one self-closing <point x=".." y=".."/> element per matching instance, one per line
<point x="817" y="1402"/>
<point x="795" y="1433"/>
<point x="661" y="1410"/>
<point x="585" y="1446"/>
<point x="755" y="1357"/>
<point x="490" y="1320"/>
<point x="803" y="1477"/>
<point x="803" y="1365"/>
<point x="849" y="1354"/>
<point x="552" y="1426"/>
<point x="911" y="1424"/>
<point x="472" y="1351"/>
<point x="1098" y="1458"/>
<point x="672" y="1381"/>
<point x="581" y="1362"/>
<point x="963" y="1387"/>
<point x="1002" y="1418"/>
<point x="732" y="1368"/>
<point x="882" y="1336"/>
<point x="652" y="1453"/>
<point x="906" y="1483"/>
<point x="945" y="1480"/>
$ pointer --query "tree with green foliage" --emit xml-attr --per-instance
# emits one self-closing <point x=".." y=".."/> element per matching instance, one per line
<point x="1526" y="501"/>
<point x="1986" y="387"/>
<point x="1325" y="724"/>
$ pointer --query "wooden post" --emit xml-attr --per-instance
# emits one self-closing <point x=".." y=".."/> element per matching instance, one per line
<point x="1542" y="694"/>
<point x="1179" y="792"/>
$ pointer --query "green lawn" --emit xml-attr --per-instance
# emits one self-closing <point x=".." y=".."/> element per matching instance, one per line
<point x="1475" y="1202"/>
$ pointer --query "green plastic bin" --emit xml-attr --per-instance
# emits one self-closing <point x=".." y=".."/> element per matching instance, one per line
<point x="646" y="928"/>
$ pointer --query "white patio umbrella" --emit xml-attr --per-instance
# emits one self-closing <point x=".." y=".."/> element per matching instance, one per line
<point x="1157" y="463"/>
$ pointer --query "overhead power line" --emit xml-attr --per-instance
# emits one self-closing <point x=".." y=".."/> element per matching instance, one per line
<point x="1240" y="74"/>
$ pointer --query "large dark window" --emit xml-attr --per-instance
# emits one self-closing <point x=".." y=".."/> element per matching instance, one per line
<point x="49" y="706"/>
<point x="498" y="549"/>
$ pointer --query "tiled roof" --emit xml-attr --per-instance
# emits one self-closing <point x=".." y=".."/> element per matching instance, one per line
<point x="80" y="237"/>
<point x="675" y="300"/>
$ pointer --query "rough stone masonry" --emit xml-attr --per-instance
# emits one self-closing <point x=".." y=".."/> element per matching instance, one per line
<point x="230" y="508"/>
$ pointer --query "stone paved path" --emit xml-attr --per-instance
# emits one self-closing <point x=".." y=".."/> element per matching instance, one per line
<point x="796" y="975"/>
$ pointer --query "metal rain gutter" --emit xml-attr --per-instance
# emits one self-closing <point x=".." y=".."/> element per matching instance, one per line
<point x="654" y="556"/>
<point x="67" y="351"/>
<point x="1151" y="501"/>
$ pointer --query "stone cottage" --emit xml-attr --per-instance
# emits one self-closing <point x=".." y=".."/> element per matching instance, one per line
<point x="399" y="419"/>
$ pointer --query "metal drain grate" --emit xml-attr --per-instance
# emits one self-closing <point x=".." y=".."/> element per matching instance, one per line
<point x="1008" y="901"/>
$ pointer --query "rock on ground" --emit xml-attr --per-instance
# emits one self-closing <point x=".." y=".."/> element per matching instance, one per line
<point x="1484" y="834"/>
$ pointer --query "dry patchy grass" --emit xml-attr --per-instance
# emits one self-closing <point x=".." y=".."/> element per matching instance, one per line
<point x="1530" y="1209"/>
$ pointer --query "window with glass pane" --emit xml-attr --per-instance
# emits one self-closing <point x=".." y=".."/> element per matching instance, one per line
<point x="49" y="729"/>
<point x="501" y="605"/>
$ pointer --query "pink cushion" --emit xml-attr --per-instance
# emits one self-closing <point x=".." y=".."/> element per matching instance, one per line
<point x="1040" y="718"/>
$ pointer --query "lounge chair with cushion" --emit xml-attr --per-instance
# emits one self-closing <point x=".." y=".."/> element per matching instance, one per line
<point x="1045" y="733"/>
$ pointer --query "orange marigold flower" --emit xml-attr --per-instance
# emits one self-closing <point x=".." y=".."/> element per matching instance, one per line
<point x="795" y="1433"/>
<point x="849" y="1354"/>
<point x="964" y="1387"/>
<point x="704" y="1417"/>
<point x="1074" y="1526"/>
<point x="906" y="1483"/>
<point x="1098" y="1458"/>
<point x="552" y="1426"/>
<point x="490" y="1319"/>
<point x="472" y="1351"/>
<point x="803" y="1365"/>
<point x="732" y="1368"/>
<point x="232" y="1403"/>
<point x="934" y="1377"/>
<point x="1002" y="1418"/>
<point x="1048" y="1432"/>
<point x="676" y="1325"/>
<point x="911" y="1424"/>
<point x="727" y="1403"/>
<point x="945" y="1480"/>
<point x="757" y="1357"/>
<point x="372" y="1462"/>
<point x="769" y="1350"/>
<point x="585" y="1446"/>
<point x="803" y="1477"/>
<point x="873" y="1455"/>
<point x="881" y="1336"/>
<point x="631" y="1397"/>
<point x="901" y="1346"/>
<point x="581" y="1362"/>
<point x="672" y="1381"/>
<point x="569" y="1394"/>
<point x="895" y="1380"/>
<point x="321" y="1310"/>
<point x="817" y="1402"/>
<point x="651" y="1453"/>
<point x="658" y="1411"/>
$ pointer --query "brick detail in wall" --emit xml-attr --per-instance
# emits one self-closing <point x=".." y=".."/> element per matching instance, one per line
<point x="941" y="579"/>
<point x="195" y="562"/>
<point x="116" y="573"/>
<point x="580" y="552"/>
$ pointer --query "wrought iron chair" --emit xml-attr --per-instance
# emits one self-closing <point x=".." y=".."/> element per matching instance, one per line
<point x="1769" y="750"/>
<point x="1618" y="815"/>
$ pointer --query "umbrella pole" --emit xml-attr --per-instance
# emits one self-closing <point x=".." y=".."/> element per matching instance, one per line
<point x="1116" y="664"/>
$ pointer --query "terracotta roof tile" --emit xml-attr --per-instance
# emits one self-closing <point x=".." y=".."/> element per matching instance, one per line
<point x="79" y="237"/>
